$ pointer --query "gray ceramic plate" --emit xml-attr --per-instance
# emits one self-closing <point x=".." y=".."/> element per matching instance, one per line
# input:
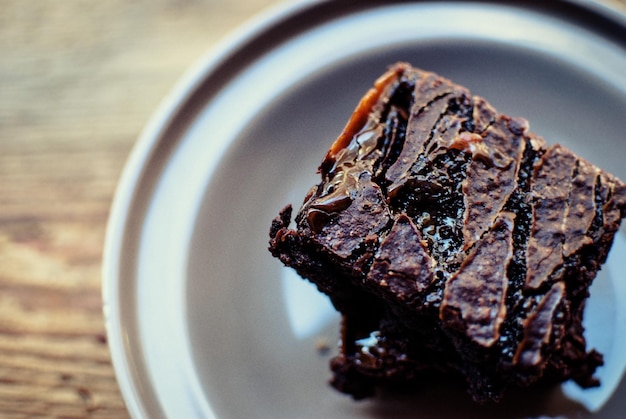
<point x="203" y="322"/>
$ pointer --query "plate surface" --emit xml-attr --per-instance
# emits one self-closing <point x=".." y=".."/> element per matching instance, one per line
<point x="202" y="321"/>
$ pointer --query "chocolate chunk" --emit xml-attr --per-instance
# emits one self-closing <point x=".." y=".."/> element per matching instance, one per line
<point x="540" y="328"/>
<point x="491" y="180"/>
<point x="483" y="114"/>
<point x="581" y="208"/>
<point x="366" y="214"/>
<point x="432" y="97"/>
<point x="473" y="301"/>
<point x="419" y="128"/>
<point x="402" y="264"/>
<point x="613" y="199"/>
<point x="550" y="187"/>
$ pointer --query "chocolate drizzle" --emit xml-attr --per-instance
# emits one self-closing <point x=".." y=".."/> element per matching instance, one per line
<point x="474" y="297"/>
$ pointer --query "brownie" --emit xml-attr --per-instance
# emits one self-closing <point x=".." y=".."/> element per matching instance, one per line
<point x="453" y="241"/>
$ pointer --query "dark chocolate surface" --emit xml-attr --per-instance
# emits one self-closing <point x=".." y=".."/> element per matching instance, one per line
<point x="452" y="240"/>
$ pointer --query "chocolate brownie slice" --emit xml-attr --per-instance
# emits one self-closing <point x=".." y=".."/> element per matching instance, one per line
<point x="453" y="241"/>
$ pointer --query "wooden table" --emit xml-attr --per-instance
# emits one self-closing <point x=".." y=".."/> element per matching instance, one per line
<point x="78" y="80"/>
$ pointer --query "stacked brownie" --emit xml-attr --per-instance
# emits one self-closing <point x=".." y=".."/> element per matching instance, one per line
<point x="453" y="241"/>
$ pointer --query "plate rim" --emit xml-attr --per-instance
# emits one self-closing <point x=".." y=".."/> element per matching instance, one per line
<point x="142" y="153"/>
<point x="134" y="169"/>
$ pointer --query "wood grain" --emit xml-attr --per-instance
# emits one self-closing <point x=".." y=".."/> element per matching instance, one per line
<point x="78" y="81"/>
